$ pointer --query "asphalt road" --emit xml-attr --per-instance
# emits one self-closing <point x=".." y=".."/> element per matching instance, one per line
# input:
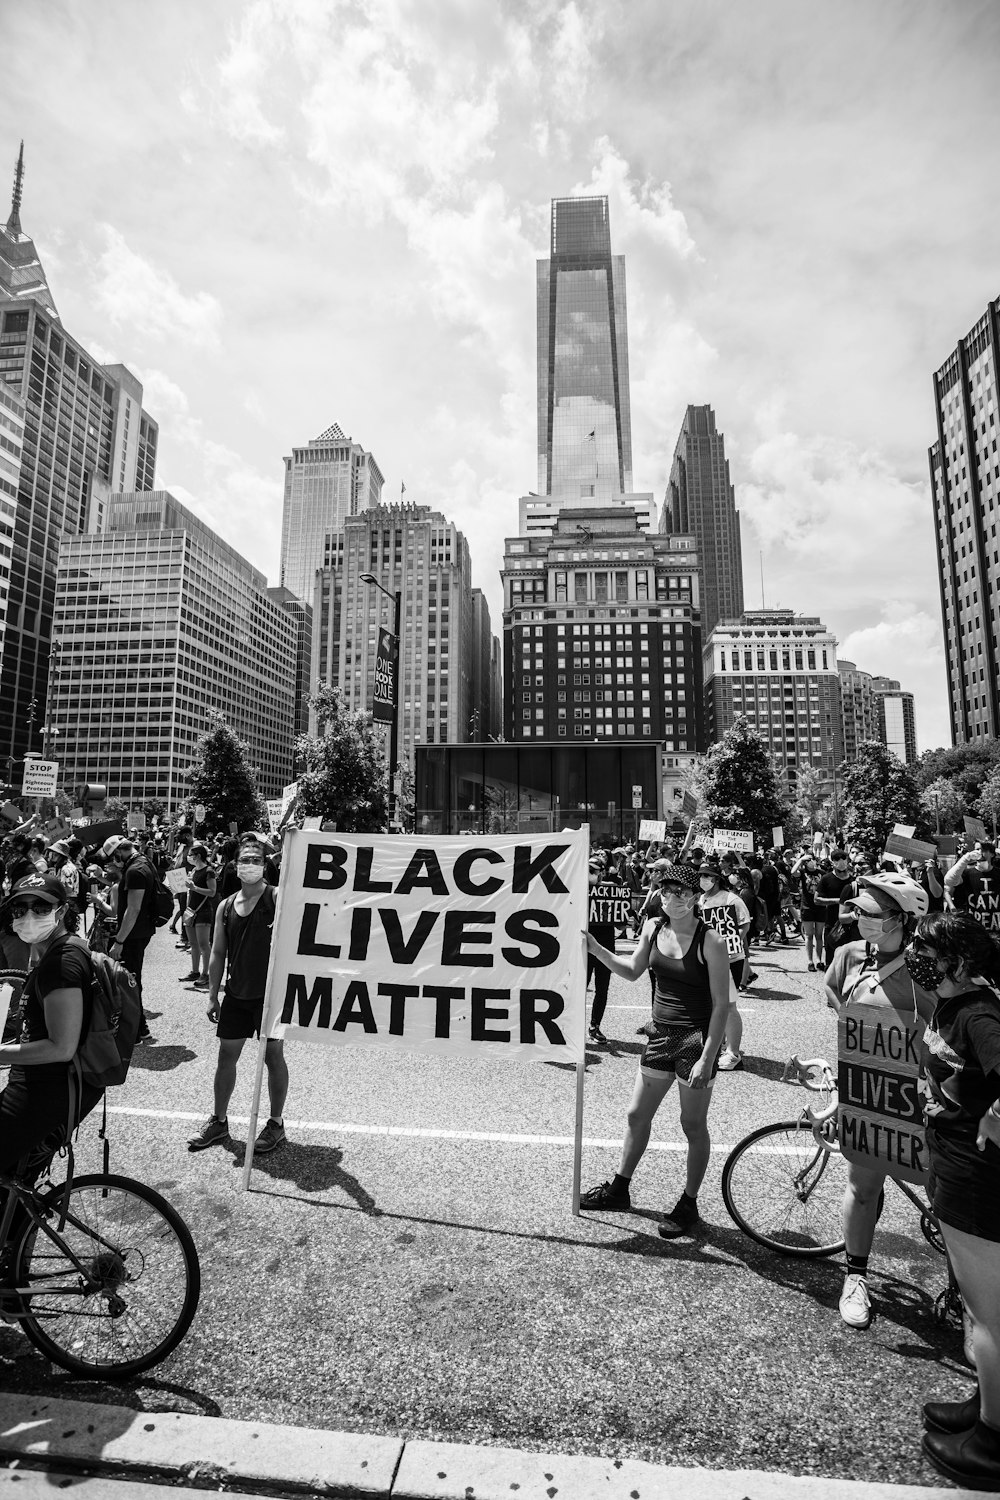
<point x="407" y="1276"/>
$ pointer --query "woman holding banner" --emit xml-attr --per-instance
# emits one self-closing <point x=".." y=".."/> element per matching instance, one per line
<point x="690" y="967"/>
<point x="955" y="957"/>
<point x="872" y="972"/>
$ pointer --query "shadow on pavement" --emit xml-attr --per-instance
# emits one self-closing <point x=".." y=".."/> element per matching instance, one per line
<point x="157" y="1059"/>
<point x="313" y="1169"/>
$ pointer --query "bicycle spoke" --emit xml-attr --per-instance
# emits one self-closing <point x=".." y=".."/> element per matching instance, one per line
<point x="785" y="1190"/>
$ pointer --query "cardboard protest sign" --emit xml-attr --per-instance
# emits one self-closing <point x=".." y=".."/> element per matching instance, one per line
<point x="975" y="828"/>
<point x="879" y="1118"/>
<point x="175" y="881"/>
<point x="778" y="838"/>
<point x="136" y="822"/>
<point x="92" y="834"/>
<point x="40" y="778"/>
<point x="11" y="813"/>
<point x="725" y="839"/>
<point x="689" y="804"/>
<point x="443" y="945"/>
<point x="274" y="813"/>
<point x="909" y="848"/>
<point x="651" y="830"/>
<point x="905" y="830"/>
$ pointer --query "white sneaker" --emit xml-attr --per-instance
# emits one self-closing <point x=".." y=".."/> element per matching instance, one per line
<point x="855" y="1304"/>
<point x="730" y="1062"/>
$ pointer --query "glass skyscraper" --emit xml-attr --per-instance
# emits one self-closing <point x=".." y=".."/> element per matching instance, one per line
<point x="327" y="480"/>
<point x="584" y="422"/>
<point x="700" y="501"/>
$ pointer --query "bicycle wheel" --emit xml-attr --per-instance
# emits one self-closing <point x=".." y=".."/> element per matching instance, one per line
<point x="785" y="1190"/>
<point x="115" y="1290"/>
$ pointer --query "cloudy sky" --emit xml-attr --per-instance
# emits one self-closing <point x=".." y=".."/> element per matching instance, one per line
<point x="286" y="213"/>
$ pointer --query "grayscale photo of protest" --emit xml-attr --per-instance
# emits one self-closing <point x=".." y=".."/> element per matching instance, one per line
<point x="500" y="743"/>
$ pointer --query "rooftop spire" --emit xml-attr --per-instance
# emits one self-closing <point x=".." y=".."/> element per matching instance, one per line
<point x="14" y="222"/>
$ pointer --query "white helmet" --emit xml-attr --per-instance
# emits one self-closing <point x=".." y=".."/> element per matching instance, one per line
<point x="900" y="889"/>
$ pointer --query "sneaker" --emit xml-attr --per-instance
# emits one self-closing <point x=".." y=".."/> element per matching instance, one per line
<point x="189" y="978"/>
<point x="270" y="1138"/>
<point x="201" y="983"/>
<point x="145" y="1035"/>
<point x="185" y="946"/>
<point x="682" y="1219"/>
<point x="730" y="1062"/>
<point x="812" y="968"/>
<point x="213" y="1133"/>
<point x="855" y="1303"/>
<point x="605" y="1198"/>
<point x="597" y="1037"/>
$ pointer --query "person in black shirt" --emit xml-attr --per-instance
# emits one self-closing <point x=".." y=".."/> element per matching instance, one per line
<point x="241" y="944"/>
<point x="134" y="910"/>
<point x="609" y="908"/>
<point x="839" y="882"/>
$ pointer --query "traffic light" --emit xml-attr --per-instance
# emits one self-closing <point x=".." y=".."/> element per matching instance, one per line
<point x="92" y="796"/>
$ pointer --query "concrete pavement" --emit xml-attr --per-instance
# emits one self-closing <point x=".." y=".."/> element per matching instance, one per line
<point x="125" y="1453"/>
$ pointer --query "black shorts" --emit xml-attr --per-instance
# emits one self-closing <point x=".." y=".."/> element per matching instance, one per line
<point x="675" y="1049"/>
<point x="964" y="1185"/>
<point x="239" y="1019"/>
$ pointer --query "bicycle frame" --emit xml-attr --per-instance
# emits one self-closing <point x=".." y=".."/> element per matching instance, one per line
<point x="38" y="1214"/>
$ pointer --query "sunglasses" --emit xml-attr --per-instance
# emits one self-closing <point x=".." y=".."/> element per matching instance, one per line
<point x="32" y="910"/>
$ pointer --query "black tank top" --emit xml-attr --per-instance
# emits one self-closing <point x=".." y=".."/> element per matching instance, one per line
<point x="248" y="941"/>
<point x="683" y="995"/>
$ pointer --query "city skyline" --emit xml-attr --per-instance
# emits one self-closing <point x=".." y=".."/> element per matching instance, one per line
<point x="786" y="262"/>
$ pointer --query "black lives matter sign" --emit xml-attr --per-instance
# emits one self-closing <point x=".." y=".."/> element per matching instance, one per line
<point x="384" y="690"/>
<point x="880" y="1119"/>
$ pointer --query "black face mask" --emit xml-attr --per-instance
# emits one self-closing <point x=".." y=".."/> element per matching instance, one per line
<point x="923" y="969"/>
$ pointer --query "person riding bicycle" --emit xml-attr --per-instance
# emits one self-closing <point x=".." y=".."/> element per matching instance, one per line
<point x="872" y="971"/>
<point x="40" y="1104"/>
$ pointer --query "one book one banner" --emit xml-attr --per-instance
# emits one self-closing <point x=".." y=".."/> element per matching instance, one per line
<point x="384" y="690"/>
<point x="879" y="1117"/>
<point x="442" y="945"/>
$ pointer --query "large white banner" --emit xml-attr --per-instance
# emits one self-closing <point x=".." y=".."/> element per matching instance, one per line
<point x="458" y="946"/>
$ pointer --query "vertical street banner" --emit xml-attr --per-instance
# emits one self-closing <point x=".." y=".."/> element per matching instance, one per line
<point x="384" y="690"/>
<point x="442" y="945"/>
<point x="879" y="1118"/>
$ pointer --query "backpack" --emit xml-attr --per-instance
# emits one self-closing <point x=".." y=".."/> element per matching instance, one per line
<point x="160" y="901"/>
<point x="105" y="1052"/>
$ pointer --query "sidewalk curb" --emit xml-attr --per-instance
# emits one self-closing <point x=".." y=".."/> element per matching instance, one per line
<point x="206" y="1452"/>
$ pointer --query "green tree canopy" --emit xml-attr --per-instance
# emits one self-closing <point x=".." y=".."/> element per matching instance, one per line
<point x="736" y="782"/>
<point x="944" y="804"/>
<point x="344" y="780"/>
<point x="967" y="767"/>
<point x="878" y="793"/>
<point x="222" y="778"/>
<point x="987" y="806"/>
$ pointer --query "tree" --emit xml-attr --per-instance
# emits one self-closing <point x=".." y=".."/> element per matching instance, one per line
<point x="223" y="780"/>
<point x="988" y="805"/>
<point x="810" y="796"/>
<point x="878" y="793"/>
<point x="736" y="782"/>
<point x="943" y="803"/>
<point x="344" y="780"/>
<point x="967" y="767"/>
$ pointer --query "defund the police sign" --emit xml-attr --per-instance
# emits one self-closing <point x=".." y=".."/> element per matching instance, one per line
<point x="445" y="945"/>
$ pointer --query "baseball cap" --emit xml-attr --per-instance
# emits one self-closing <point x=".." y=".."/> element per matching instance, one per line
<point x="111" y="846"/>
<point x="59" y="847"/>
<point x="48" y="888"/>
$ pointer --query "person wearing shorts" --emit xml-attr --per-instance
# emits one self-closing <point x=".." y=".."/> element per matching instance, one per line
<point x="199" y="916"/>
<point x="241" y="947"/>
<point x="690" y="1010"/>
<point x="806" y="868"/>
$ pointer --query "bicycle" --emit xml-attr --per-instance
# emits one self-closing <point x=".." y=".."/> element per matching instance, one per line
<point x="783" y="1184"/>
<point x="101" y="1272"/>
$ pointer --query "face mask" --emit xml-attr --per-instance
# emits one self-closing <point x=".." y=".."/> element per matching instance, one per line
<point x="34" y="927"/>
<point x="922" y="969"/>
<point x="872" y="928"/>
<point x="249" y="872"/>
<point x="677" y="905"/>
<point x="707" y="884"/>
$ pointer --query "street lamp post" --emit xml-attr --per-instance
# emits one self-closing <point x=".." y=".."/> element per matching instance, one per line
<point x="397" y="600"/>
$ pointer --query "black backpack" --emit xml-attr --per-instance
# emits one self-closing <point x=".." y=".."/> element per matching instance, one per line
<point x="160" y="902"/>
<point x="105" y="1051"/>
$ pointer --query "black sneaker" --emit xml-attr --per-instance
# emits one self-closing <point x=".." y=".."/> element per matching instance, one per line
<point x="681" y="1220"/>
<point x="606" y="1198"/>
<point x="597" y="1037"/>
<point x="145" y="1035"/>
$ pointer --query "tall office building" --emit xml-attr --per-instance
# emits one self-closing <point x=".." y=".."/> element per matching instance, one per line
<point x="300" y="614"/>
<point x="780" y="670"/>
<point x="858" y="708"/>
<point x="84" y="435"/>
<point x="418" y="551"/>
<point x="328" y="480"/>
<point x="965" y="489"/>
<point x="602" y="634"/>
<point x="700" y="501"/>
<point x="484" y="722"/>
<point x="584" y="420"/>
<point x="159" y="620"/>
<point x="897" y="724"/>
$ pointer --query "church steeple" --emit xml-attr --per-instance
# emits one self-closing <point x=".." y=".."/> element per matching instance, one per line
<point x="14" y="222"/>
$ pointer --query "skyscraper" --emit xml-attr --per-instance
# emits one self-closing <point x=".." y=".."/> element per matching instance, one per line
<point x="584" y="421"/>
<point x="965" y="489"/>
<point x="158" y="620"/>
<point x="84" y="434"/>
<point x="700" y="501"/>
<point x="326" y="481"/>
<point x="896" y="719"/>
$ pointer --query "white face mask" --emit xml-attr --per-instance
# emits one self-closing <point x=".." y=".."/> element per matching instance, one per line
<point x="873" y="928"/>
<point x="677" y="905"/>
<point x="249" y="872"/>
<point x="35" y="927"/>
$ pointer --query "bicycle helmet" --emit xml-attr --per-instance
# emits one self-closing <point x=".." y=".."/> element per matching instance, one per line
<point x="903" y="892"/>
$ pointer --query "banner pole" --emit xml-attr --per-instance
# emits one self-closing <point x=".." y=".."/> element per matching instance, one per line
<point x="581" y="1070"/>
<point x="255" y="1106"/>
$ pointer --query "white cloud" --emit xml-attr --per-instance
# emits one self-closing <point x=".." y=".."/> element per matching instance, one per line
<point x="641" y="211"/>
<point x="133" y="293"/>
<point x="906" y="644"/>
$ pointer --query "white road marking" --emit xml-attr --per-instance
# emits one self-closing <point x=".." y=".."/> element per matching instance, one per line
<point x="343" y="1127"/>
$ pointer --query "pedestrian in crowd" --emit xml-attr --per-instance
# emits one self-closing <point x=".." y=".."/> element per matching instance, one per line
<point x="770" y="893"/>
<point x="241" y="947"/>
<point x="199" y="914"/>
<point x="38" y="854"/>
<point x="838" y="881"/>
<point x="134" y="909"/>
<point x="609" y="906"/>
<point x="973" y="883"/>
<point x="727" y="915"/>
<point x="952" y="956"/>
<point x="67" y="870"/>
<point x="690" y="1009"/>
<point x="181" y="861"/>
<point x="872" y="970"/>
<point x="931" y="879"/>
